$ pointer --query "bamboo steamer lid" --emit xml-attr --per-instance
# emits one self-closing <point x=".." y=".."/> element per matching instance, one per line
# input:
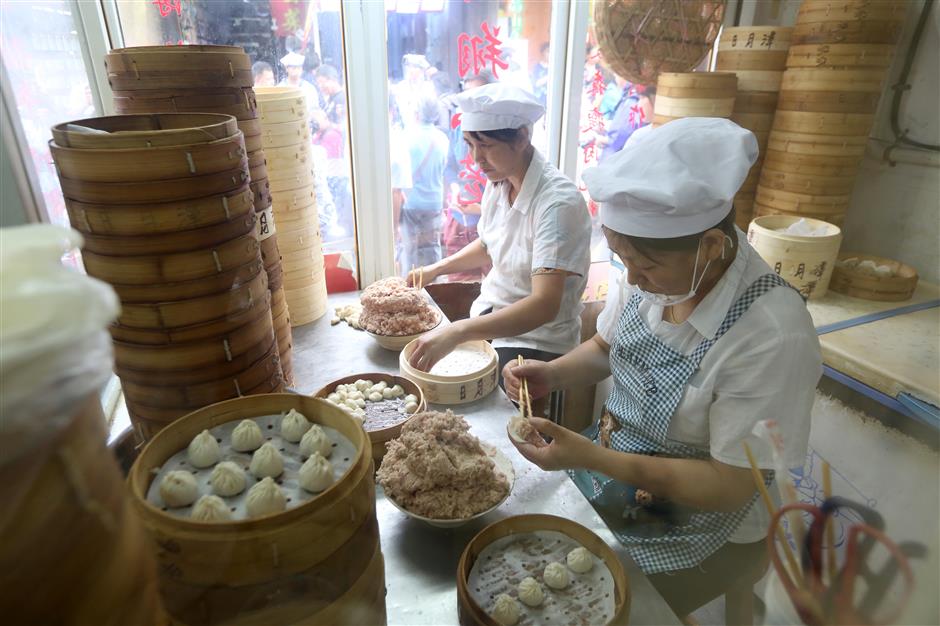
<point x="896" y="288"/>
<point x="836" y="219"/>
<point x="849" y="31"/>
<point x="807" y="183"/>
<point x="190" y="57"/>
<point x="337" y="579"/>
<point x="152" y="192"/>
<point x="841" y="55"/>
<point x="852" y="124"/>
<point x="151" y="293"/>
<point x="819" y="145"/>
<point x="145" y="131"/>
<point x="155" y="219"/>
<point x="829" y="101"/>
<point x="833" y="79"/>
<point x="169" y="268"/>
<point x="794" y="202"/>
<point x="724" y="83"/>
<point x="640" y="39"/>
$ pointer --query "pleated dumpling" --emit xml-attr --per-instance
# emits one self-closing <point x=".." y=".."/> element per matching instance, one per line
<point x="266" y="462"/>
<point x="178" y="488"/>
<point x="294" y="425"/>
<point x="316" y="474"/>
<point x="211" y="509"/>
<point x="227" y="479"/>
<point x="203" y="450"/>
<point x="316" y="440"/>
<point x="247" y="436"/>
<point x="265" y="498"/>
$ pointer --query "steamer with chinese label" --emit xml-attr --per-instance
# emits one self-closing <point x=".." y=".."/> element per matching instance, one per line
<point x="804" y="261"/>
<point x="466" y="374"/>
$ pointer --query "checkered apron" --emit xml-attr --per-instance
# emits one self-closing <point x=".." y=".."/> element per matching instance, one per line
<point x="649" y="381"/>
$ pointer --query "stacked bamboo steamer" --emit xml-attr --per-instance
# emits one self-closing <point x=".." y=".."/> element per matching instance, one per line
<point x="836" y="66"/>
<point x="757" y="55"/>
<point x="207" y="79"/>
<point x="165" y="209"/>
<point x="694" y="94"/>
<point x="285" y="137"/>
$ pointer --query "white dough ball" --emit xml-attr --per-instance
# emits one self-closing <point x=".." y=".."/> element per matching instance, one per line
<point x="362" y="385"/>
<point x="411" y="407"/>
<point x="314" y="441"/>
<point x="388" y="394"/>
<point x="411" y="398"/>
<point x="506" y="610"/>
<point x="398" y="391"/>
<point x="351" y="404"/>
<point x="580" y="560"/>
<point x="530" y="592"/>
<point x="375" y="396"/>
<point x="556" y="575"/>
<point x="210" y="509"/>
<point x="178" y="488"/>
<point x="266" y="462"/>
<point x="316" y="474"/>
<point x="294" y="425"/>
<point x="247" y="436"/>
<point x="379" y="386"/>
<point x="342" y="395"/>
<point x="361" y="403"/>
<point x="356" y="395"/>
<point x="227" y="479"/>
<point x="265" y="498"/>
<point x="333" y="397"/>
<point x="203" y="450"/>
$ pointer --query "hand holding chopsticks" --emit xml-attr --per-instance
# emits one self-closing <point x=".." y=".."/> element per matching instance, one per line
<point x="417" y="277"/>
<point x="525" y="400"/>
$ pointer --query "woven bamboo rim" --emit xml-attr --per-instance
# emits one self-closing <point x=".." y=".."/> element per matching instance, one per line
<point x="295" y="200"/>
<point x="693" y="107"/>
<point x="829" y="101"/>
<point x="184" y="290"/>
<point x="253" y="143"/>
<point x="290" y="102"/>
<point x="194" y="376"/>
<point x="851" y="10"/>
<point x="171" y="162"/>
<point x="640" y="39"/>
<point x="726" y="81"/>
<point x="295" y="152"/>
<point x="282" y="140"/>
<point x="288" y="171"/>
<point x="300" y="219"/>
<point x="807" y="183"/>
<point x="833" y="79"/>
<point x="753" y="121"/>
<point x="171" y="268"/>
<point x="814" y="144"/>
<point x="792" y="164"/>
<point x="732" y="61"/>
<point x="795" y="202"/>
<point x="300" y="241"/>
<point x="761" y="210"/>
<point x="205" y="353"/>
<point x="472" y="614"/>
<point x="755" y="81"/>
<point x="194" y="332"/>
<point x="701" y="91"/>
<point x="192" y="99"/>
<point x="897" y="288"/>
<point x="178" y="79"/>
<point x="213" y="308"/>
<point x="756" y="102"/>
<point x="852" y="124"/>
<point x="151" y="192"/>
<point x="841" y="55"/>
<point x="142" y="105"/>
<point x="290" y="184"/>
<point x="850" y="31"/>
<point x="278" y="92"/>
<point x="145" y="131"/>
<point x="298" y="112"/>
<point x="171" y="243"/>
<point x="754" y="38"/>
<point x="155" y="219"/>
<point x="301" y="160"/>
<point x="270" y="255"/>
<point x="129" y="61"/>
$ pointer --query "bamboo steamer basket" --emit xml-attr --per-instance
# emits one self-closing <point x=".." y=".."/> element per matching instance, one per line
<point x="851" y="282"/>
<point x="70" y="531"/>
<point x="145" y="131"/>
<point x="760" y="122"/>
<point x="302" y="198"/>
<point x="308" y="304"/>
<point x="194" y="331"/>
<point x="847" y="31"/>
<point x="203" y="394"/>
<point x="191" y="100"/>
<point x="292" y="183"/>
<point x="852" y="124"/>
<point x="253" y="143"/>
<point x="241" y="111"/>
<point x="309" y="259"/>
<point x="815" y="165"/>
<point x="829" y="101"/>
<point x="297" y="240"/>
<point x="830" y="79"/>
<point x="278" y="94"/>
<point x="291" y="220"/>
<point x="204" y="353"/>
<point x="807" y="183"/>
<point x="267" y="570"/>
<point x="379" y="438"/>
<point x="757" y="81"/>
<point x="165" y="292"/>
<point x="841" y="55"/>
<point x="250" y="126"/>
<point x="261" y="193"/>
<point x="278" y="303"/>
<point x="817" y="145"/>
<point x="290" y="170"/>
<point x="225" y="306"/>
<point x="270" y="255"/>
<point x="275" y="278"/>
<point x="805" y="262"/>
<point x="143" y="270"/>
<point x="156" y="219"/>
<point x="743" y="209"/>
<point x="755" y="102"/>
<point x="709" y="94"/>
<point x="472" y="614"/>
<point x="761" y="210"/>
<point x="285" y="134"/>
<point x="851" y="10"/>
<point x="453" y="389"/>
<point x="802" y="203"/>
<point x="151" y="192"/>
<point x="171" y="243"/>
<point x="754" y="39"/>
<point x="188" y="57"/>
<point x="179" y="79"/>
<point x="273" y="113"/>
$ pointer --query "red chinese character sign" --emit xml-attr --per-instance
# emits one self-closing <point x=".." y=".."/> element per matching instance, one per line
<point x="476" y="53"/>
<point x="472" y="192"/>
<point x="166" y="7"/>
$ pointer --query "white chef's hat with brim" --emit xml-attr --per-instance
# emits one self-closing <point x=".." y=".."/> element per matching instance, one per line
<point x="678" y="179"/>
<point x="497" y="106"/>
<point x="292" y="59"/>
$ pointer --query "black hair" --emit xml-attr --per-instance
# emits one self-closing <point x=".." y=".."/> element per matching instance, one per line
<point x="329" y="72"/>
<point x="260" y="67"/>
<point x="504" y="135"/>
<point x="649" y="246"/>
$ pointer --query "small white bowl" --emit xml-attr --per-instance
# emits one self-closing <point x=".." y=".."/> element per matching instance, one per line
<point x="397" y="342"/>
<point x="503" y="466"/>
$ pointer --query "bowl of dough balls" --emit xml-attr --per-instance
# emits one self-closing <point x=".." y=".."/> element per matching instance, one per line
<point x="540" y="569"/>
<point x="382" y="402"/>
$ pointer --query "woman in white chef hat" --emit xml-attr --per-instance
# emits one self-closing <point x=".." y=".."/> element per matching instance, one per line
<point x="703" y="340"/>
<point x="534" y="229"/>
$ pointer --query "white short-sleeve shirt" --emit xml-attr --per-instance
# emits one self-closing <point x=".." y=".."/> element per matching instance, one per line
<point x="765" y="367"/>
<point x="548" y="226"/>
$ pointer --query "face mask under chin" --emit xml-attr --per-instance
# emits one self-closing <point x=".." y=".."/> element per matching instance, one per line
<point x="664" y="300"/>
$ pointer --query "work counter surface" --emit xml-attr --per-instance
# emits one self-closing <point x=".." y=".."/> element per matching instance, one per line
<point x="421" y="561"/>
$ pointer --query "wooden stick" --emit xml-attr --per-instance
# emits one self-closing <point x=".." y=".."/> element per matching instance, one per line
<point x="421" y="278"/>
<point x="525" y="401"/>
<point x="830" y="524"/>
<point x="772" y="509"/>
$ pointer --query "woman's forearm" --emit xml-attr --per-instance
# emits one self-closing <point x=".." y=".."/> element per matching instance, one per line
<point x="586" y="365"/>
<point x="470" y="257"/>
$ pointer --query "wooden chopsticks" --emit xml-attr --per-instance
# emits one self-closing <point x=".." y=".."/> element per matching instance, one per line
<point x="419" y="285"/>
<point x="525" y="400"/>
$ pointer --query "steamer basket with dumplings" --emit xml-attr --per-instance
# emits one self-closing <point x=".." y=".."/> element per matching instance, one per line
<point x="379" y="437"/>
<point x="472" y="613"/>
<point x="459" y="384"/>
<point x="316" y="561"/>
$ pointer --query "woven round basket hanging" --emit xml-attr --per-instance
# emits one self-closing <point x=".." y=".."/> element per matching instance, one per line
<point x="642" y="38"/>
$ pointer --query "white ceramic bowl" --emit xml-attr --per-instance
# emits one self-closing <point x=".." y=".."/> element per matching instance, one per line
<point x="397" y="342"/>
<point x="503" y="466"/>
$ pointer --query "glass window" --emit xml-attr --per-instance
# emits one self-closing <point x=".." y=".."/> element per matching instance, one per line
<point x="290" y="43"/>
<point x="42" y="58"/>
<point x="437" y="48"/>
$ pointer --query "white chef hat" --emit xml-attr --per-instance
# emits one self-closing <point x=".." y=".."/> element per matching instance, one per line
<point x="292" y="59"/>
<point x="497" y="106"/>
<point x="678" y="179"/>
